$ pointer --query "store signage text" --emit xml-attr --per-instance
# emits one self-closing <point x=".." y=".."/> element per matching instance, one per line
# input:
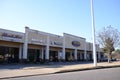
<point x="11" y="35"/>
<point x="58" y="43"/>
<point x="76" y="43"/>
<point x="37" y="41"/>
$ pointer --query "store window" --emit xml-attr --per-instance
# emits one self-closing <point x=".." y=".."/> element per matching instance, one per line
<point x="9" y="54"/>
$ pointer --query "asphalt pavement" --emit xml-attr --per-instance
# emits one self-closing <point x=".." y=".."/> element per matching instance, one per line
<point x="101" y="74"/>
<point x="25" y="70"/>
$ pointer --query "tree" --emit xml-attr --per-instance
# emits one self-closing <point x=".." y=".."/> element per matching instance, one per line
<point x="116" y="54"/>
<point x="117" y="51"/>
<point x="109" y="39"/>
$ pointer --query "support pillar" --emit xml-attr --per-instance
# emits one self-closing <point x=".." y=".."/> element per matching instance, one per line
<point x="71" y="56"/>
<point x="20" y="52"/>
<point x="80" y="56"/>
<point x="85" y="53"/>
<point x="63" y="50"/>
<point x="47" y="49"/>
<point x="75" y="54"/>
<point x="25" y="48"/>
<point x="63" y="54"/>
<point x="42" y="54"/>
<point x="99" y="54"/>
<point x="59" y="55"/>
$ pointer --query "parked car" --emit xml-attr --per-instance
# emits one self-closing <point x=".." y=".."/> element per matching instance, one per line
<point x="106" y="59"/>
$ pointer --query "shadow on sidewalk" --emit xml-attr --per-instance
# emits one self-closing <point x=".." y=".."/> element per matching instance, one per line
<point x="39" y="65"/>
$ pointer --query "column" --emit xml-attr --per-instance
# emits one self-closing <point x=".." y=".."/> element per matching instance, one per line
<point x="92" y="55"/>
<point x="63" y="54"/>
<point x="85" y="53"/>
<point x="25" y="43"/>
<point x="47" y="49"/>
<point x="63" y="50"/>
<point x="75" y="54"/>
<point x="99" y="54"/>
<point x="20" y="52"/>
<point x="59" y="55"/>
<point x="88" y="56"/>
<point x="71" y="56"/>
<point x="81" y="56"/>
<point x="42" y="54"/>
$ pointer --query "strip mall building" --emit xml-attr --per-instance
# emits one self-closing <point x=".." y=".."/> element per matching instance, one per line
<point x="36" y="46"/>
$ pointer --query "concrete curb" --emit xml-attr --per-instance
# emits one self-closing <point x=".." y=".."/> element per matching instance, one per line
<point x="65" y="71"/>
<point x="84" y="69"/>
<point x="25" y="76"/>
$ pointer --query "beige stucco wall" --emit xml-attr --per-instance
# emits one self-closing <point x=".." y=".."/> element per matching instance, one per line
<point x="10" y="44"/>
<point x="55" y="40"/>
<point x="97" y="48"/>
<point x="37" y="37"/>
<point x="31" y="46"/>
<point x="89" y="47"/>
<point x="70" y="38"/>
<point x="40" y="38"/>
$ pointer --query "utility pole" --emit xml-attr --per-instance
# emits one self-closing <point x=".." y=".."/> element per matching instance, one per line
<point x="93" y="34"/>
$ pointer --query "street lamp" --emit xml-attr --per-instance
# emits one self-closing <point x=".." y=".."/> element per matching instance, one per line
<point x="93" y="34"/>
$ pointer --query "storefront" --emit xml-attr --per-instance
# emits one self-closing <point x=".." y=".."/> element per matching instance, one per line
<point x="74" y="47"/>
<point x="80" y="55"/>
<point x="9" y="54"/>
<point x="55" y="54"/>
<point x="69" y="55"/>
<point x="35" y="46"/>
<point x="89" y="55"/>
<point x="11" y="44"/>
<point x="35" y="53"/>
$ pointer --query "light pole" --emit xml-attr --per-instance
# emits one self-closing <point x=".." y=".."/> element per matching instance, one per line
<point x="93" y="34"/>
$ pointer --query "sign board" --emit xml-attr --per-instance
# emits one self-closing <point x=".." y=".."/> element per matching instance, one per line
<point x="76" y="43"/>
<point x="11" y="37"/>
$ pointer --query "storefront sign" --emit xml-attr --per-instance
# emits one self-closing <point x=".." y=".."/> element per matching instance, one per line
<point x="76" y="43"/>
<point x="11" y="37"/>
<point x="58" y="43"/>
<point x="37" y="41"/>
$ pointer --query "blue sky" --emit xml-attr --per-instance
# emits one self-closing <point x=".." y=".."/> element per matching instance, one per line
<point x="59" y="16"/>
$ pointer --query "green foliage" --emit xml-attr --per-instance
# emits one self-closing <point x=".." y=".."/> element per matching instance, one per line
<point x="117" y="51"/>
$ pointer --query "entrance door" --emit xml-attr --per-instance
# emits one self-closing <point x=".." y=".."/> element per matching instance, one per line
<point x="67" y="55"/>
<point x="33" y="55"/>
<point x="53" y="56"/>
<point x="78" y="56"/>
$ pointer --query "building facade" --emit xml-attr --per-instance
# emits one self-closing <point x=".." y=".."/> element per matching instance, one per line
<point x="37" y="46"/>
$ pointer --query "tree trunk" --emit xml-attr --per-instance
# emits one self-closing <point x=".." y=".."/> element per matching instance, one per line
<point x="109" y="57"/>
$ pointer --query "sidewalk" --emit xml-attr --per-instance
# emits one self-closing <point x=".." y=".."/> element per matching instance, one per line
<point x="49" y="69"/>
